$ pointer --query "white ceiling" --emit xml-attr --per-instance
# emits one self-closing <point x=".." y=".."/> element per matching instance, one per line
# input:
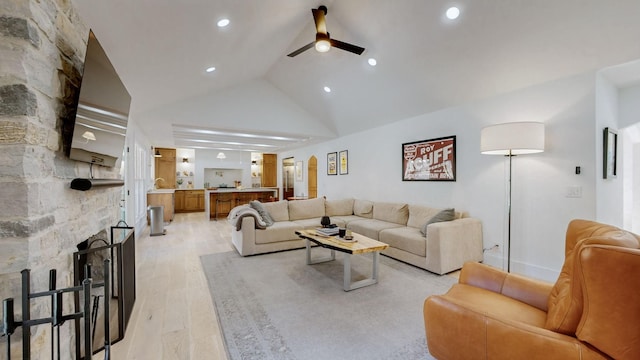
<point x="161" y="48"/>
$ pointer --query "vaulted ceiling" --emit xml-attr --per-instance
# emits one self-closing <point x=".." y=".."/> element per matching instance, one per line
<point x="260" y="99"/>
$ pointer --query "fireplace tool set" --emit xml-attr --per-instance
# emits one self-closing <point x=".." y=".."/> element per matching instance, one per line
<point x="58" y="318"/>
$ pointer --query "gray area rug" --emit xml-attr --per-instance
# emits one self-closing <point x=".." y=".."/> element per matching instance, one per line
<point x="274" y="306"/>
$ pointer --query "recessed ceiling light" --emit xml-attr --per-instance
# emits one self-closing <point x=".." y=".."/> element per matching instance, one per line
<point x="327" y="89"/>
<point x="453" y="13"/>
<point x="372" y="62"/>
<point x="223" y="22"/>
<point x="210" y="69"/>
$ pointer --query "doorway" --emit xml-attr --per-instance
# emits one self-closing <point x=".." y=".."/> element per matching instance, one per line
<point x="288" y="173"/>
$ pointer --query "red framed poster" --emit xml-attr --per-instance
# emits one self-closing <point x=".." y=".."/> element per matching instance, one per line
<point x="429" y="160"/>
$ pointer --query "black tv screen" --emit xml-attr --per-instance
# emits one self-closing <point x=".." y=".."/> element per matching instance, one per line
<point x="101" y="119"/>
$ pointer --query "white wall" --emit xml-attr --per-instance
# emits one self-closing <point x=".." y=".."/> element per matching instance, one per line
<point x="234" y="160"/>
<point x="609" y="192"/>
<point x="629" y="120"/>
<point x="629" y="100"/>
<point x="541" y="210"/>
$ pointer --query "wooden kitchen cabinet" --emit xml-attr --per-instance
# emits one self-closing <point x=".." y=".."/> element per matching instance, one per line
<point x="166" y="168"/>
<point x="179" y="201"/>
<point x="162" y="199"/>
<point x="189" y="200"/>
<point x="269" y="170"/>
<point x="201" y="201"/>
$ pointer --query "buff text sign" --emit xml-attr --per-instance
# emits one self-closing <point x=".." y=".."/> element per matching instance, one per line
<point x="429" y="160"/>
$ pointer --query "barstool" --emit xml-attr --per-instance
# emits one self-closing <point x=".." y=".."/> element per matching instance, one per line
<point x="221" y="199"/>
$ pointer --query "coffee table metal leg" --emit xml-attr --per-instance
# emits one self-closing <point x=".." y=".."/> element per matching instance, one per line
<point x="318" y="260"/>
<point x="347" y="272"/>
<point x="348" y="285"/>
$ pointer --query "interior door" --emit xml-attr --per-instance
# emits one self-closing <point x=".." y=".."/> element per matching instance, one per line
<point x="312" y="178"/>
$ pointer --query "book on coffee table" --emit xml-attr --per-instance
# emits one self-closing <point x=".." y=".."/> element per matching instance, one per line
<point x="327" y="231"/>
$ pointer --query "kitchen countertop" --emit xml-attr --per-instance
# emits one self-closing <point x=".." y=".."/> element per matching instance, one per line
<point x="161" y="191"/>
<point x="225" y="190"/>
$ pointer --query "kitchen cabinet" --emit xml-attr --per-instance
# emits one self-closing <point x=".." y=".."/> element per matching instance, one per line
<point x="165" y="199"/>
<point x="269" y="170"/>
<point x="232" y="198"/>
<point x="189" y="200"/>
<point x="179" y="199"/>
<point x="165" y="167"/>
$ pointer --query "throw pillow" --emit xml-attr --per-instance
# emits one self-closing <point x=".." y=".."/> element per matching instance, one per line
<point x="266" y="217"/>
<point x="444" y="215"/>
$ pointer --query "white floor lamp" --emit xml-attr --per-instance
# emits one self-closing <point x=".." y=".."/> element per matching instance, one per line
<point x="512" y="139"/>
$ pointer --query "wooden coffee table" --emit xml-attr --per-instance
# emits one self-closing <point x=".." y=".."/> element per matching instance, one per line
<point x="361" y="245"/>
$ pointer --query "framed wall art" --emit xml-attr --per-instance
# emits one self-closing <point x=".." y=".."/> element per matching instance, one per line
<point x="299" y="170"/>
<point x="610" y="154"/>
<point x="332" y="163"/>
<point x="343" y="156"/>
<point x="429" y="160"/>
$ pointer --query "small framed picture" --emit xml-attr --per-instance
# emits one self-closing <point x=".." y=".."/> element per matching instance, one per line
<point x="298" y="170"/>
<point x="610" y="154"/>
<point x="343" y="156"/>
<point x="332" y="163"/>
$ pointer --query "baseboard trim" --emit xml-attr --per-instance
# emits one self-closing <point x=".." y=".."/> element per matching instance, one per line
<point x="526" y="269"/>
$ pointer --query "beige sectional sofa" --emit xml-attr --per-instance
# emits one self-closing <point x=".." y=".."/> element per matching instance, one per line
<point x="445" y="248"/>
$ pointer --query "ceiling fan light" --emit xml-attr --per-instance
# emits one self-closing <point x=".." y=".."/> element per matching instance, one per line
<point x="323" y="45"/>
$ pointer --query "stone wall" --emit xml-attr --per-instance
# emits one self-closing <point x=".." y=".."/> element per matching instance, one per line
<point x="42" y="43"/>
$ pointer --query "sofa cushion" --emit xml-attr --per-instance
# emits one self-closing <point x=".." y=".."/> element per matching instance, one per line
<point x="419" y="215"/>
<point x="279" y="231"/>
<point x="278" y="210"/>
<point x="391" y="212"/>
<point x="442" y="216"/>
<point x="345" y="219"/>
<point x="306" y="209"/>
<point x="370" y="227"/>
<point x="338" y="207"/>
<point x="264" y="214"/>
<point x="308" y="224"/>
<point x="363" y="208"/>
<point x="406" y="238"/>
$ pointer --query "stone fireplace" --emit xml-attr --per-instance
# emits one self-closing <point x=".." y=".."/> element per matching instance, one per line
<point x="42" y="44"/>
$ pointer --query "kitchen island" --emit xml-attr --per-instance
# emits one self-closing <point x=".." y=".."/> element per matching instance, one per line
<point x="232" y="197"/>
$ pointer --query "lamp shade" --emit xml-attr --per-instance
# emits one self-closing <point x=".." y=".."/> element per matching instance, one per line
<point x="221" y="155"/>
<point x="515" y="138"/>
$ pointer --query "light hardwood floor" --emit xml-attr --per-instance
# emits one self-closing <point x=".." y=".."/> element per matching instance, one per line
<point x="174" y="317"/>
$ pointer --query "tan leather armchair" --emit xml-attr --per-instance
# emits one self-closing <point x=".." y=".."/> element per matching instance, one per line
<point x="591" y="312"/>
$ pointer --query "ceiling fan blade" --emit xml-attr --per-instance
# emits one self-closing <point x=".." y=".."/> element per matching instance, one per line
<point x="345" y="46"/>
<point x="304" y="48"/>
<point x="318" y="17"/>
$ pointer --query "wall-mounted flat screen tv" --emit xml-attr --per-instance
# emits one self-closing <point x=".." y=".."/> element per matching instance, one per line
<point x="103" y="110"/>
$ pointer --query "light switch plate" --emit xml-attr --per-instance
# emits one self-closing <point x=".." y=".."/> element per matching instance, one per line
<point x="574" y="191"/>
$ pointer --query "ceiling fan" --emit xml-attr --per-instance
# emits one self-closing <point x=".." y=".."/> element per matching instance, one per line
<point x="323" y="41"/>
